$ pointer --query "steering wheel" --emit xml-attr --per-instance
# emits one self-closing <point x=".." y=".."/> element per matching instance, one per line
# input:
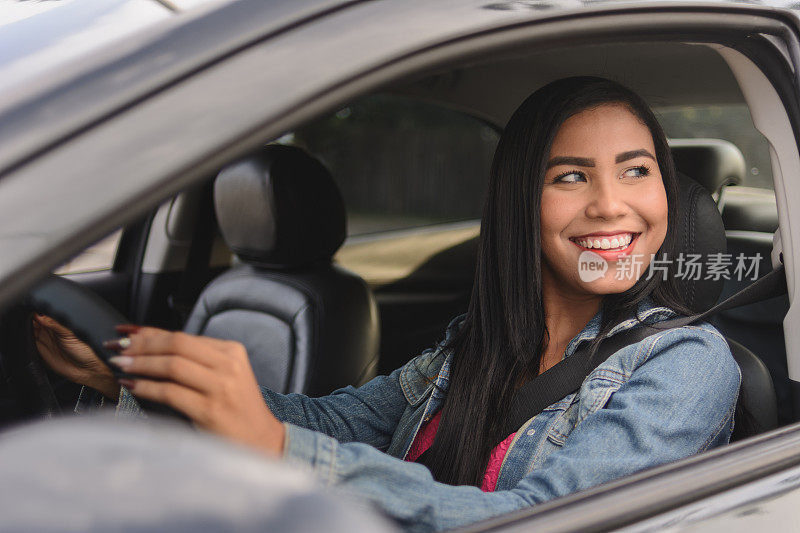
<point x="92" y="319"/>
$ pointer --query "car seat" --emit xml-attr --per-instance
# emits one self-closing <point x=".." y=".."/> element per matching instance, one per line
<point x="309" y="326"/>
<point x="750" y="218"/>
<point x="701" y="231"/>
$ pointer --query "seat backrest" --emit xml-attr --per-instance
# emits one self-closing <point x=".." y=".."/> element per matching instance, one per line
<point x="702" y="232"/>
<point x="758" y="410"/>
<point x="309" y="326"/>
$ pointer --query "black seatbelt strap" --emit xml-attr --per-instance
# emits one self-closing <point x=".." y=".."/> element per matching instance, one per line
<point x="567" y="376"/>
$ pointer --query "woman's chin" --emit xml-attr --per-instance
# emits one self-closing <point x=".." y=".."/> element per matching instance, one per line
<point x="608" y="284"/>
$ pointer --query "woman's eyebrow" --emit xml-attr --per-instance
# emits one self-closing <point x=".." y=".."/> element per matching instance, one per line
<point x="624" y="156"/>
<point x="588" y="162"/>
<point x="570" y="160"/>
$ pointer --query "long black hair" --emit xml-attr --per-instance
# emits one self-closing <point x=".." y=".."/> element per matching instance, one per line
<point x="504" y="334"/>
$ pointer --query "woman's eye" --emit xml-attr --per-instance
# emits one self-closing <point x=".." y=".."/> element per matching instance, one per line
<point x="572" y="176"/>
<point x="637" y="172"/>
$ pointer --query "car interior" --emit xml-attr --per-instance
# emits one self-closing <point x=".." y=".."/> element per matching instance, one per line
<point x="342" y="248"/>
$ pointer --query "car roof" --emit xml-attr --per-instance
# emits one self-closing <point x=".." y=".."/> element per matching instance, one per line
<point x="102" y="73"/>
<point x="38" y="37"/>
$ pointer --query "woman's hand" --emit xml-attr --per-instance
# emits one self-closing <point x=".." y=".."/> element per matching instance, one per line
<point x="209" y="380"/>
<point x="66" y="355"/>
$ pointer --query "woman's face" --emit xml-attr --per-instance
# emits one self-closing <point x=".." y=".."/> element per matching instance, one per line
<point x="603" y="201"/>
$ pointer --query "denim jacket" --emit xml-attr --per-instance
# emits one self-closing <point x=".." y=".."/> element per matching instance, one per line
<point x="662" y="399"/>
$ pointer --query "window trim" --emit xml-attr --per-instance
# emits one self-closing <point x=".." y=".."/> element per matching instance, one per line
<point x="635" y="498"/>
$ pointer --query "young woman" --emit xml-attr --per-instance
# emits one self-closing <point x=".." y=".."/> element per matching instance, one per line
<point x="582" y="167"/>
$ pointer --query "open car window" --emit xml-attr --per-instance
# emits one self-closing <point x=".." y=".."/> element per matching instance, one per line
<point x="729" y="122"/>
<point x="402" y="163"/>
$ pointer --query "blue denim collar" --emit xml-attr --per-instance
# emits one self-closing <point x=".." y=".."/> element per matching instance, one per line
<point x="646" y="313"/>
<point x="417" y="384"/>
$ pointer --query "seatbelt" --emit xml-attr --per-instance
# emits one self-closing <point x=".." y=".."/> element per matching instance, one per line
<point x="198" y="257"/>
<point x="567" y="376"/>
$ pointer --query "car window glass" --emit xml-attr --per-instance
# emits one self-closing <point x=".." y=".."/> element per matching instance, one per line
<point x="401" y="163"/>
<point x="729" y="122"/>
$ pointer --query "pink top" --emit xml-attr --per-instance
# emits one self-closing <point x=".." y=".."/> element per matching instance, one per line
<point x="425" y="438"/>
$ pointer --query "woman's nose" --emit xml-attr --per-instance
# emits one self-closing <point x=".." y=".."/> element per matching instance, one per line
<point x="607" y="200"/>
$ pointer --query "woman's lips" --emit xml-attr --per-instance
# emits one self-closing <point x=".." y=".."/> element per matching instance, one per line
<point x="607" y="254"/>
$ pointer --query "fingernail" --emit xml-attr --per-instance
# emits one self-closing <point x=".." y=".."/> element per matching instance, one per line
<point x="127" y="383"/>
<point x="117" y="345"/>
<point x="122" y="361"/>
<point x="127" y="329"/>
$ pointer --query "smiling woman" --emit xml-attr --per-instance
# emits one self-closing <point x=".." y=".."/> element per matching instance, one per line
<point x="609" y="199"/>
<point x="582" y="166"/>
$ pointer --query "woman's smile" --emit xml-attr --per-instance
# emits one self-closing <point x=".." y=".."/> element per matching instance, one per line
<point x="610" y="240"/>
<point x="610" y="245"/>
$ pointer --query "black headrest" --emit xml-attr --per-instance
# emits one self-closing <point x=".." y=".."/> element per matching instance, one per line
<point x="700" y="231"/>
<point x="280" y="208"/>
<point x="713" y="163"/>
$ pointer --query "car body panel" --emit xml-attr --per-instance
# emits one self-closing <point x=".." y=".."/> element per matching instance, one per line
<point x="166" y="478"/>
<point x="767" y="504"/>
<point x="83" y="91"/>
<point x="33" y="46"/>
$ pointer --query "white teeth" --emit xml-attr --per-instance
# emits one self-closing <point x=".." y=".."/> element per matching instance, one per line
<point x="621" y="241"/>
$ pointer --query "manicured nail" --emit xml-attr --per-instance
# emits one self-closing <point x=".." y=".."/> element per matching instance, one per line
<point x="127" y="383"/>
<point x="122" y="361"/>
<point x="128" y="329"/>
<point x="117" y="345"/>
